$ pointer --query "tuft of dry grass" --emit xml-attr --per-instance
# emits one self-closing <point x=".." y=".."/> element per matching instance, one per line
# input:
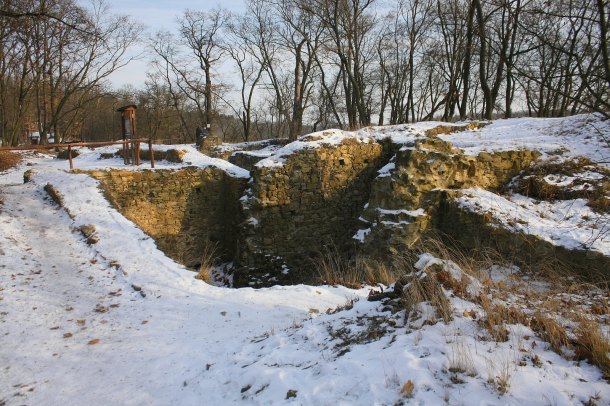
<point x="375" y="271"/>
<point x="8" y="160"/>
<point x="460" y="358"/>
<point x="209" y="257"/>
<point x="504" y="377"/>
<point x="497" y="316"/>
<point x="407" y="389"/>
<point x="425" y="288"/>
<point x="334" y="269"/>
<point x="593" y="345"/>
<point x="494" y="320"/>
<point x="550" y="331"/>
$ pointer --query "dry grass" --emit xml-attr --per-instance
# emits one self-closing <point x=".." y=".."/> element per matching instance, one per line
<point x="504" y="377"/>
<point x="494" y="320"/>
<point x="550" y="331"/>
<point x="546" y="296"/>
<point x="460" y="358"/>
<point x="593" y="345"/>
<point x="425" y="289"/>
<point x="407" y="389"/>
<point x="8" y="160"/>
<point x="375" y="271"/>
<point x="334" y="269"/>
<point x="209" y="257"/>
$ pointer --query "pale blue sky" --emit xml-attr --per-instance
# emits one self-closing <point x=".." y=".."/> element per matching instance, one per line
<point x="155" y="15"/>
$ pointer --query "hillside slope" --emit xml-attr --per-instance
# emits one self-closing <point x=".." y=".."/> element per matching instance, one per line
<point x="114" y="321"/>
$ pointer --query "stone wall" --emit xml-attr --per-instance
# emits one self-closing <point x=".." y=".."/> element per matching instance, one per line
<point x="310" y="202"/>
<point x="473" y="232"/>
<point x="404" y="201"/>
<point x="183" y="210"/>
<point x="319" y="195"/>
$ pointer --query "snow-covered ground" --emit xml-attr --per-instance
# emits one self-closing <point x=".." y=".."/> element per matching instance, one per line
<point x="584" y="135"/>
<point x="117" y="322"/>
<point x="58" y="296"/>
<point x="567" y="223"/>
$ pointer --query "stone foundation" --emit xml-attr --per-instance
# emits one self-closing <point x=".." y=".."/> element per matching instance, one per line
<point x="323" y="195"/>
<point x="313" y="200"/>
<point x="182" y="210"/>
<point x="404" y="201"/>
<point x="474" y="232"/>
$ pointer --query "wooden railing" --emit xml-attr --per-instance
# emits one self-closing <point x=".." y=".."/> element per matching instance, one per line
<point x="135" y="147"/>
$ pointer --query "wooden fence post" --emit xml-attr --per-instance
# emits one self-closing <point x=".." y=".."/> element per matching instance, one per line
<point x="152" y="154"/>
<point x="70" y="157"/>
<point x="138" y="153"/>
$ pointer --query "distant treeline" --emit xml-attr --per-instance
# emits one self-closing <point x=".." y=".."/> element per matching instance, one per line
<point x="284" y="67"/>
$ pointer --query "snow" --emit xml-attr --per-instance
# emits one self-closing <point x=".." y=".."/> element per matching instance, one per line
<point x="407" y="134"/>
<point x="152" y="350"/>
<point x="568" y="223"/>
<point x="386" y="170"/>
<point x="167" y="338"/>
<point x="256" y="145"/>
<point x="260" y="153"/>
<point x="90" y="159"/>
<point x="563" y="180"/>
<point x="559" y="180"/>
<point x="395" y="223"/>
<point x="576" y="136"/>
<point x="582" y="135"/>
<point x="411" y="213"/>
<point x="314" y="141"/>
<point x="252" y="221"/>
<point x="361" y="234"/>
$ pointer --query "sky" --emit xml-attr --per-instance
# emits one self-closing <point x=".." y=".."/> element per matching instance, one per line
<point x="156" y="15"/>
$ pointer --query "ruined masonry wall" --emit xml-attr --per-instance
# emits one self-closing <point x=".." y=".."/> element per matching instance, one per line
<point x="391" y="222"/>
<point x="184" y="210"/>
<point x="312" y="201"/>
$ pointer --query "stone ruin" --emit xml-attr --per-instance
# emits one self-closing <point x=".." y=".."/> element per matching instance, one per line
<point x="364" y="194"/>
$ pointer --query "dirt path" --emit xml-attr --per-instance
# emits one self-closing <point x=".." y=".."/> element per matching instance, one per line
<point x="50" y="286"/>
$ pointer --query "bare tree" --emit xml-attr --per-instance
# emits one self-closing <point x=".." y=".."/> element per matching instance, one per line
<point x="350" y="25"/>
<point x="69" y="65"/>
<point x="201" y="30"/>
<point x="245" y="53"/>
<point x="168" y="68"/>
<point x="56" y="57"/>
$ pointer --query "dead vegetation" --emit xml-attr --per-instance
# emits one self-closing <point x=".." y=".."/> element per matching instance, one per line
<point x="9" y="160"/>
<point x="334" y="269"/>
<point x="209" y="258"/>
<point x="363" y="330"/>
<point x="593" y="345"/>
<point x="563" y="310"/>
<point x="426" y="287"/>
<point x="565" y="180"/>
